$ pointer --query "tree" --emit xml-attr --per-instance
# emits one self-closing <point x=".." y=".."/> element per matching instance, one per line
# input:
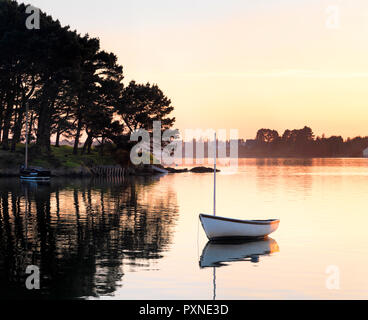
<point x="98" y="90"/>
<point x="72" y="87"/>
<point x="267" y="136"/>
<point x="17" y="70"/>
<point x="141" y="104"/>
<point x="60" y="56"/>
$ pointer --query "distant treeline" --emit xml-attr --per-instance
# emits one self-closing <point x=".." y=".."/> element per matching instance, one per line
<point x="72" y="87"/>
<point x="301" y="143"/>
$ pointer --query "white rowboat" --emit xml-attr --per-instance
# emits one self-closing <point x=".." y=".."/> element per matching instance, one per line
<point x="220" y="228"/>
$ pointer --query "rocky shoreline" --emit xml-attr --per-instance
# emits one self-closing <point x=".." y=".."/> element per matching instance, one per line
<point x="194" y="170"/>
<point x="149" y="170"/>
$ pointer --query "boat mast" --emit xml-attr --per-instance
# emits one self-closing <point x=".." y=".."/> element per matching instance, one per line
<point x="214" y="185"/>
<point x="214" y="209"/>
<point x="214" y="283"/>
<point x="26" y="153"/>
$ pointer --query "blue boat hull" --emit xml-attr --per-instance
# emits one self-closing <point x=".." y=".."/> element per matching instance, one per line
<point x="35" y="174"/>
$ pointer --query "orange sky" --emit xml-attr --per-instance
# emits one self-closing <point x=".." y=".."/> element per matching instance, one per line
<point x="273" y="64"/>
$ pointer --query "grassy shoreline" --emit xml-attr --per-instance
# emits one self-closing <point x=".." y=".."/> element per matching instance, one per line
<point x="61" y="161"/>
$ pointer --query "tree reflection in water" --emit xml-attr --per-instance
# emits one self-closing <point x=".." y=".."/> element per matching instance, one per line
<point x="81" y="233"/>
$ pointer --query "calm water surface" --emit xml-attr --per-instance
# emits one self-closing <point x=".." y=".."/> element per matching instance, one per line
<point x="139" y="238"/>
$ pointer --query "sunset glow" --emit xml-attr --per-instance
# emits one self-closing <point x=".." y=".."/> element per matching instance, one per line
<point x="274" y="64"/>
<point x="176" y="156"/>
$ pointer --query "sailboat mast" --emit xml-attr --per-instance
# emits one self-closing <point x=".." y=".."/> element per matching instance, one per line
<point x="214" y="174"/>
<point x="214" y="283"/>
<point x="26" y="153"/>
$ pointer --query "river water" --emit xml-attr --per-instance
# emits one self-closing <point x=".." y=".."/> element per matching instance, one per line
<point x="139" y="238"/>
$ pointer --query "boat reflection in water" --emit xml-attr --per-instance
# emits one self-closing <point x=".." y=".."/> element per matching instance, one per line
<point x="218" y="254"/>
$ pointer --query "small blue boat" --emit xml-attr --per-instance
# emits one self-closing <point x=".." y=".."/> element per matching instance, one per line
<point x="34" y="174"/>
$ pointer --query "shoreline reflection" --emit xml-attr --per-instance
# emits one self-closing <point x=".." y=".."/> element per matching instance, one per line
<point x="81" y="233"/>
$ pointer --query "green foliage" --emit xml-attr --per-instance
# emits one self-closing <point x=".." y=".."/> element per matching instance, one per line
<point x="8" y="159"/>
<point x="61" y="157"/>
<point x="67" y="159"/>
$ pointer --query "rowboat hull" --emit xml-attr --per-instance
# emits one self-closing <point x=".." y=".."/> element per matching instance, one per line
<point x="221" y="228"/>
<point x="34" y="178"/>
<point x="34" y="174"/>
<point x="217" y="254"/>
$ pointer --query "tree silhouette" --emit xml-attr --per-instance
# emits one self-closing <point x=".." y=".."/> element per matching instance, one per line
<point x="141" y="104"/>
<point x="302" y="143"/>
<point x="72" y="86"/>
<point x="267" y="136"/>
